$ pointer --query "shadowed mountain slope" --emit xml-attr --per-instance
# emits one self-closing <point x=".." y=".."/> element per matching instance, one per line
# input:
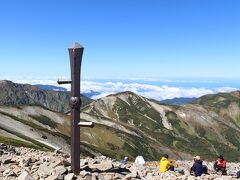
<point x="24" y="94"/>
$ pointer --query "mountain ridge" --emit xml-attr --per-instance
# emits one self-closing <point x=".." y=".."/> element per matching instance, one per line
<point x="178" y="101"/>
<point x="127" y="124"/>
<point x="14" y="94"/>
<point x="182" y="124"/>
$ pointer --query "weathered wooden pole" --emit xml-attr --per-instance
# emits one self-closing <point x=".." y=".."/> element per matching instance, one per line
<point x="75" y="53"/>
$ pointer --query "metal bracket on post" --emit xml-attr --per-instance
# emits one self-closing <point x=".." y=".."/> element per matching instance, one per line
<point x="86" y="124"/>
<point x="64" y="82"/>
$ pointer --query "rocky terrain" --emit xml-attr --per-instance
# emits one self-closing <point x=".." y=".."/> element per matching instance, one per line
<point x="30" y="164"/>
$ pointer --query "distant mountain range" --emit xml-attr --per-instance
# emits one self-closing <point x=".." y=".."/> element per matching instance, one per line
<point x="178" y="101"/>
<point x="50" y="87"/>
<point x="126" y="124"/>
<point x="90" y="94"/>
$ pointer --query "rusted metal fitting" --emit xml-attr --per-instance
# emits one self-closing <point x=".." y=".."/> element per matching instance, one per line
<point x="75" y="102"/>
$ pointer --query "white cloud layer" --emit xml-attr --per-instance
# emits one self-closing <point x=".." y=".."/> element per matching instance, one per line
<point x="146" y="90"/>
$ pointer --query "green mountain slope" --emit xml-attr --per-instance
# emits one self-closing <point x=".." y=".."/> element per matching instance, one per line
<point x="34" y="126"/>
<point x="179" y="130"/>
<point x="127" y="124"/>
<point x="225" y="104"/>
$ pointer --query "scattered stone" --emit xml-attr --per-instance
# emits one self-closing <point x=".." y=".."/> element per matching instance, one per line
<point x="2" y="169"/>
<point x="66" y="163"/>
<point x="60" y="170"/>
<point x="25" y="162"/>
<point x="55" y="177"/>
<point x="105" y="165"/>
<point x="28" y="164"/>
<point x="69" y="177"/>
<point x="34" y="168"/>
<point x="25" y="176"/>
<point x="8" y="173"/>
<point x="57" y="151"/>
<point x="44" y="170"/>
<point x="84" y="173"/>
<point x="56" y="163"/>
<point x="7" y="160"/>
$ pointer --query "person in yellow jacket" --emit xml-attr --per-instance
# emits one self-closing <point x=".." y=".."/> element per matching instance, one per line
<point x="166" y="164"/>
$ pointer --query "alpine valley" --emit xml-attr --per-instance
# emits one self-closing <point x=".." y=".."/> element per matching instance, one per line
<point x="126" y="124"/>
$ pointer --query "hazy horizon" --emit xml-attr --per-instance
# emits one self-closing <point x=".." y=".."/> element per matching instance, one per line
<point x="158" y="89"/>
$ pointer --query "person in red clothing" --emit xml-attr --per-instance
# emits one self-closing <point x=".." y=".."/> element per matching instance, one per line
<point x="220" y="165"/>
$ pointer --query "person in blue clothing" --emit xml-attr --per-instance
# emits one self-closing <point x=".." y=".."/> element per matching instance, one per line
<point x="238" y="174"/>
<point x="124" y="161"/>
<point x="197" y="169"/>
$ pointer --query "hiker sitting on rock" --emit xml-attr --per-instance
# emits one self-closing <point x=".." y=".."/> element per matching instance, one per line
<point x="238" y="174"/>
<point x="166" y="164"/>
<point x="198" y="168"/>
<point x="139" y="161"/>
<point x="124" y="161"/>
<point x="220" y="165"/>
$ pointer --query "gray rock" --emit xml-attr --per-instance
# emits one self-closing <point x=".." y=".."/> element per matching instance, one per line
<point x="9" y="173"/>
<point x="56" y="163"/>
<point x="60" y="170"/>
<point x="25" y="162"/>
<point x="25" y="176"/>
<point x="103" y="166"/>
<point x="88" y="177"/>
<point x="84" y="173"/>
<point x="57" y="151"/>
<point x="130" y="176"/>
<point x="69" y="177"/>
<point x="101" y="177"/>
<point x="95" y="176"/>
<point x="44" y="170"/>
<point x="52" y="177"/>
<point x="34" y="168"/>
<point x="16" y="169"/>
<point x="55" y="177"/>
<point x="111" y="176"/>
<point x="66" y="163"/>
<point x="83" y="162"/>
<point x="34" y="159"/>
<point x="69" y="169"/>
<point x="108" y="176"/>
<point x="7" y="160"/>
<point x="45" y="159"/>
<point x="2" y="169"/>
<point x="134" y="172"/>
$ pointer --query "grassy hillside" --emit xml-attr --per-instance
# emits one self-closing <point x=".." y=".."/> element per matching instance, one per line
<point x="34" y="126"/>
<point x="178" y="130"/>
<point x="129" y="125"/>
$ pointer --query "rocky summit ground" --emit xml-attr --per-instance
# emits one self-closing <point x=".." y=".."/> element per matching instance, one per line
<point x="28" y="164"/>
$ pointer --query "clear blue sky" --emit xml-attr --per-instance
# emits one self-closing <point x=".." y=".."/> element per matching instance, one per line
<point x="122" y="38"/>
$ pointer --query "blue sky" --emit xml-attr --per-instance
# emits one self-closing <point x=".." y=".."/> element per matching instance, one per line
<point x="122" y="38"/>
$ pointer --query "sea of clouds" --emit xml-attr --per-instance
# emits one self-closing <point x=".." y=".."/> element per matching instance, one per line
<point x="146" y="89"/>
